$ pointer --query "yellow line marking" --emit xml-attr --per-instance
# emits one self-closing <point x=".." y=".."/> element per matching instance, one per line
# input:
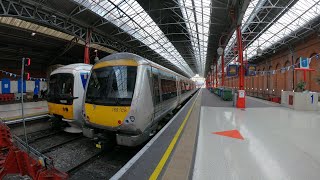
<point x="172" y="144"/>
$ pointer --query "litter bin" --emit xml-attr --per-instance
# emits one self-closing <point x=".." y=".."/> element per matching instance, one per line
<point x="219" y="92"/>
<point x="227" y="95"/>
<point x="211" y="90"/>
<point x="215" y="91"/>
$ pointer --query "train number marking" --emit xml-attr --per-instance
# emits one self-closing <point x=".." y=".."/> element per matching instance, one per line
<point x="119" y="110"/>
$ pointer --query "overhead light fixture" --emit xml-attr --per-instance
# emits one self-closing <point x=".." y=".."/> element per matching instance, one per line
<point x="96" y="59"/>
<point x="220" y="51"/>
<point x="259" y="51"/>
<point x="33" y="34"/>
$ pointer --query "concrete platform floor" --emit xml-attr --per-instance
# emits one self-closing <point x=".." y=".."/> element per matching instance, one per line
<point x="278" y="143"/>
<point x="13" y="111"/>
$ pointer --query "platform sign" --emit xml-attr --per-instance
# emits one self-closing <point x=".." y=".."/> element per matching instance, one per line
<point x="304" y="63"/>
<point x="241" y="93"/>
<point x="232" y="70"/>
<point x="251" y="70"/>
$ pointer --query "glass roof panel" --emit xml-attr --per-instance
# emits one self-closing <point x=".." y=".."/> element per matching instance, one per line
<point x="129" y="15"/>
<point x="196" y="14"/>
<point x="295" y="18"/>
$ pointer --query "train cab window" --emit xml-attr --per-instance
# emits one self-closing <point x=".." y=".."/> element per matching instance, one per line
<point x="61" y="88"/>
<point x="112" y="85"/>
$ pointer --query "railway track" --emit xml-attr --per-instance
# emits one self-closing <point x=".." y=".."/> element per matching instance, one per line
<point x="51" y="148"/>
<point x="78" y="156"/>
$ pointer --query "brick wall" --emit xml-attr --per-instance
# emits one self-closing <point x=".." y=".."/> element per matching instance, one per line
<point x="275" y="83"/>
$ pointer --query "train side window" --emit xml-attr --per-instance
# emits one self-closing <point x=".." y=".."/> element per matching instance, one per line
<point x="183" y="87"/>
<point x="169" y="89"/>
<point x="156" y="88"/>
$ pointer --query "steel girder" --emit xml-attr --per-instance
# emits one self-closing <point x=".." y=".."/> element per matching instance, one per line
<point x="40" y="14"/>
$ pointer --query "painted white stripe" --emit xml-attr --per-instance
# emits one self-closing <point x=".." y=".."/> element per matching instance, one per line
<point x="128" y="165"/>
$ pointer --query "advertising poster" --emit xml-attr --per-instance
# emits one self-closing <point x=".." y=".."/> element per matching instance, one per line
<point x="232" y="70"/>
<point x="251" y="70"/>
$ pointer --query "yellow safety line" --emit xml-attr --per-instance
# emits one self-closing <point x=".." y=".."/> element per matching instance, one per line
<point x="172" y="144"/>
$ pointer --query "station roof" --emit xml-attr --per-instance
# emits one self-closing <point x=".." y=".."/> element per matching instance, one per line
<point x="182" y="35"/>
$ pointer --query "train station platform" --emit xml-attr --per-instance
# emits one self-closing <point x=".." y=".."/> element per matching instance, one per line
<point x="210" y="139"/>
<point x="9" y="112"/>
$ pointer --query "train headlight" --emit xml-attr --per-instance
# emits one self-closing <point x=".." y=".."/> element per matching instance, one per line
<point x="132" y="118"/>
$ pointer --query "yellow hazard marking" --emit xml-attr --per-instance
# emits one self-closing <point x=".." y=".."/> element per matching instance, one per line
<point x="98" y="146"/>
<point x="172" y="144"/>
<point x="111" y="116"/>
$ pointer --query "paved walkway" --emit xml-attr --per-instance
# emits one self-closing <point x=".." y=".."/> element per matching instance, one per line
<point x="13" y="111"/>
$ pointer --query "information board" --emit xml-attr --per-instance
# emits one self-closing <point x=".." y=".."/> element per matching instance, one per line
<point x="304" y="62"/>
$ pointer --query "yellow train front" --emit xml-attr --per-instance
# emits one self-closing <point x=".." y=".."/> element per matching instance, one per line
<point x="127" y="96"/>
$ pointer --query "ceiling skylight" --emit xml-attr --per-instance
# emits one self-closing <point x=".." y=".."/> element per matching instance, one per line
<point x="196" y="14"/>
<point x="295" y="18"/>
<point x="130" y="17"/>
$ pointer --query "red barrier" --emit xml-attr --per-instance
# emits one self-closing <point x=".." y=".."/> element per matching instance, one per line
<point x="6" y="97"/>
<point x="5" y="137"/>
<point x="275" y="99"/>
<point x="16" y="161"/>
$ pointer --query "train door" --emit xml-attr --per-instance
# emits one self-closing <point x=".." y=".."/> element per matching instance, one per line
<point x="156" y="92"/>
<point x="178" y="84"/>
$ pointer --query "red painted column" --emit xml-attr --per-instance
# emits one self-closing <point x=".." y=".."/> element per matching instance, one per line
<point x="217" y="74"/>
<point x="241" y="103"/>
<point x="87" y="47"/>
<point x="212" y="78"/>
<point x="222" y="67"/>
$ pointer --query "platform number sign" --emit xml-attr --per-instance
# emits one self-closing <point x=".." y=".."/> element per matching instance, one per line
<point x="312" y="99"/>
<point x="304" y="62"/>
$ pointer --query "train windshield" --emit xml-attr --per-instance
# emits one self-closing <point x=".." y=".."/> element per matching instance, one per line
<point x="61" y="88"/>
<point x="112" y="86"/>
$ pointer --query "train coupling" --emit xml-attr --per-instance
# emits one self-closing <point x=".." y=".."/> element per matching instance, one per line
<point x="88" y="132"/>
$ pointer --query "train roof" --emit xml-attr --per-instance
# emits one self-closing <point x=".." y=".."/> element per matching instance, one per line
<point x="140" y="60"/>
<point x="73" y="67"/>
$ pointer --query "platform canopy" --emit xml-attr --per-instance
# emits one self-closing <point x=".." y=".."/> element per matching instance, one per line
<point x="183" y="35"/>
<point x="270" y="26"/>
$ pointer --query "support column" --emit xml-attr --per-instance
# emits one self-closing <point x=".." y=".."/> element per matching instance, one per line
<point x="87" y="47"/>
<point x="222" y="68"/>
<point x="216" y="74"/>
<point x="212" y="78"/>
<point x="241" y="103"/>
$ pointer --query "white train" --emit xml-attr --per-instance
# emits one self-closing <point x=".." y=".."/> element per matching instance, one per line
<point x="127" y="96"/>
<point x="65" y="94"/>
